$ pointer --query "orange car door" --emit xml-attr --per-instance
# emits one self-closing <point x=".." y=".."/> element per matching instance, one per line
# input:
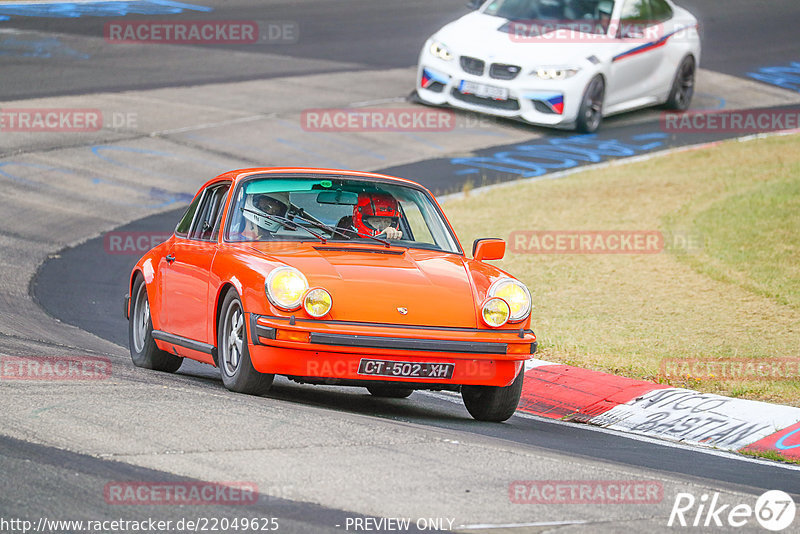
<point x="188" y="269"/>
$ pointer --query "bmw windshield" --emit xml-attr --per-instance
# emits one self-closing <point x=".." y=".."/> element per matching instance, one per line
<point x="337" y="209"/>
<point x="593" y="15"/>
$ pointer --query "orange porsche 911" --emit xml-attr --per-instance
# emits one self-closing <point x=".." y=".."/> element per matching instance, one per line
<point x="331" y="277"/>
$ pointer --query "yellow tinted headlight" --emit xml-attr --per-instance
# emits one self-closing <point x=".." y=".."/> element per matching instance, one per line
<point x="495" y="312"/>
<point x="317" y="302"/>
<point x="285" y="287"/>
<point x="515" y="294"/>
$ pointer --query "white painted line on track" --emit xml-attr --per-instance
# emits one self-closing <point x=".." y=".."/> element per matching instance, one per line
<point x="390" y="100"/>
<point x="637" y="437"/>
<point x="214" y="124"/>
<point x="520" y="525"/>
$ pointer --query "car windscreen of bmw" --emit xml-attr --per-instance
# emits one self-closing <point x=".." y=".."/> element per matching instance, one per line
<point x="337" y="209"/>
<point x="560" y="11"/>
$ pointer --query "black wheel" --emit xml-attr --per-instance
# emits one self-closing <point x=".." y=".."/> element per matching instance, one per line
<point x="390" y="392"/>
<point x="144" y="351"/>
<point x="590" y="113"/>
<point x="680" y="96"/>
<point x="493" y="403"/>
<point x="238" y="373"/>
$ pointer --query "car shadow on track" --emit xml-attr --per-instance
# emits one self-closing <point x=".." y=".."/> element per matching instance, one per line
<point x="355" y="400"/>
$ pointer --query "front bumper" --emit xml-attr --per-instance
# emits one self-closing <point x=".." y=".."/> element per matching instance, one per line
<point x="305" y="348"/>
<point x="543" y="102"/>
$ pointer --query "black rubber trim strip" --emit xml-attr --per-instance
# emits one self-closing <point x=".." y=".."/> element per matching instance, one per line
<point x="362" y="249"/>
<point x="394" y="325"/>
<point x="253" y="328"/>
<point x="185" y="342"/>
<point x="265" y="332"/>
<point x="438" y="345"/>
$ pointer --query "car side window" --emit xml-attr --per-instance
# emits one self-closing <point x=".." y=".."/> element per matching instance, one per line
<point x="220" y="211"/>
<point x="182" y="230"/>
<point x="206" y="224"/>
<point x="636" y="11"/>
<point x="660" y="10"/>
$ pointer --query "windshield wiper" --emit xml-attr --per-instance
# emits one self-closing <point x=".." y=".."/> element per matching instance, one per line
<point x="315" y="222"/>
<point x="340" y="231"/>
<point x="287" y="223"/>
<point x="386" y="243"/>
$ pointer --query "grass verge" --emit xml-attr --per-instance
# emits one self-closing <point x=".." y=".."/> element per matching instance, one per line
<point x="732" y="295"/>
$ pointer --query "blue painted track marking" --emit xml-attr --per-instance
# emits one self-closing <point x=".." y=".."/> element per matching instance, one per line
<point x="535" y="159"/>
<point x="39" y="48"/>
<point x="161" y="197"/>
<point x="786" y="76"/>
<point x="97" y="9"/>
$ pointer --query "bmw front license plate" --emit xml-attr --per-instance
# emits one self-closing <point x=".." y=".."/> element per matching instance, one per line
<point x="483" y="91"/>
<point x="405" y="369"/>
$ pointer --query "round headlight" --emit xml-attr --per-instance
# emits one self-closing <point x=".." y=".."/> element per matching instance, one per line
<point x="285" y="287"/>
<point x="515" y="294"/>
<point x="317" y="302"/>
<point x="495" y="312"/>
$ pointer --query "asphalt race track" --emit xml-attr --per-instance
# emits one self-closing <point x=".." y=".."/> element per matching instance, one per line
<point x="322" y="458"/>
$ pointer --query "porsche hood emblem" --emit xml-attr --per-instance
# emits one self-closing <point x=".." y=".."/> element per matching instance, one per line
<point x="402" y="310"/>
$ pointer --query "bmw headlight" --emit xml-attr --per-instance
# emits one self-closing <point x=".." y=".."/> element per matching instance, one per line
<point x="317" y="302"/>
<point x="285" y="287"/>
<point x="495" y="311"/>
<point x="439" y="50"/>
<point x="555" y="73"/>
<point x="515" y="294"/>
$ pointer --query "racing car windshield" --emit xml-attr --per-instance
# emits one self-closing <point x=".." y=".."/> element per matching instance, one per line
<point x="337" y="210"/>
<point x="594" y="14"/>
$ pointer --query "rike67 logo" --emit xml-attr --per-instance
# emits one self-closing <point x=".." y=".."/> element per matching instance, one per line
<point x="774" y="510"/>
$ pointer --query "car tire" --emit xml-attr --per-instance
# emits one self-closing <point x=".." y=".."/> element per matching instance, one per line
<point x="389" y="392"/>
<point x="233" y="353"/>
<point x="493" y="403"/>
<point x="682" y="91"/>
<point x="590" y="114"/>
<point x="144" y="351"/>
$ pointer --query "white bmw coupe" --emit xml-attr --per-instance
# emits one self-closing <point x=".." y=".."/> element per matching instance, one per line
<point x="562" y="63"/>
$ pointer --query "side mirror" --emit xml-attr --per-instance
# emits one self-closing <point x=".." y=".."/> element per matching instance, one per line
<point x="474" y="4"/>
<point x="488" y="248"/>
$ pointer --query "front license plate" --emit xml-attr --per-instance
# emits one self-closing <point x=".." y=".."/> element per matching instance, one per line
<point x="406" y="369"/>
<point x="483" y="91"/>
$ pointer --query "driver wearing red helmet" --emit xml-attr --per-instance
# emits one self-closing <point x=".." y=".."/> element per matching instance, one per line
<point x="377" y="214"/>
